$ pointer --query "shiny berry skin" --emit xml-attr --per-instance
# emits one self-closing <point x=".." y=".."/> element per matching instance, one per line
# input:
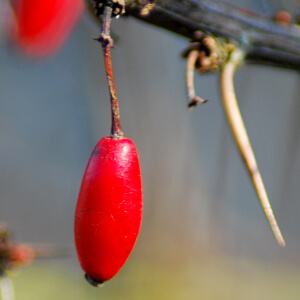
<point x="43" y="25"/>
<point x="109" y="208"/>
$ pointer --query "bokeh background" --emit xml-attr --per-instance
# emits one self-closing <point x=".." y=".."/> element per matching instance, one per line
<point x="204" y="235"/>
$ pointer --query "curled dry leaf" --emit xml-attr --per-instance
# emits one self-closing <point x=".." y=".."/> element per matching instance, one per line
<point x="240" y="135"/>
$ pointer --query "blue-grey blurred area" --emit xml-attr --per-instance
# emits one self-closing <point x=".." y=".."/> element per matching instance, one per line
<point x="204" y="235"/>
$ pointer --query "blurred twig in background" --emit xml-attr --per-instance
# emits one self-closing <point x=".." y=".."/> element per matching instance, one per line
<point x="7" y="289"/>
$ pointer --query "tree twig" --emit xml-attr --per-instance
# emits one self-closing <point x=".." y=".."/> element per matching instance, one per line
<point x="240" y="135"/>
<point x="7" y="289"/>
<point x="263" y="40"/>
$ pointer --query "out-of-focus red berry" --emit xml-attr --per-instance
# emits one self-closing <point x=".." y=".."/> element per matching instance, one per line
<point x="283" y="17"/>
<point x="22" y="254"/>
<point x="43" y="25"/>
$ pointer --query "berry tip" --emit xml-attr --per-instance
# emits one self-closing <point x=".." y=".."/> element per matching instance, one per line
<point x="93" y="281"/>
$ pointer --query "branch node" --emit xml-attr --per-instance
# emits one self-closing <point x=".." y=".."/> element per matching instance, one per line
<point x="98" y="7"/>
<point x="204" y="54"/>
<point x="105" y="40"/>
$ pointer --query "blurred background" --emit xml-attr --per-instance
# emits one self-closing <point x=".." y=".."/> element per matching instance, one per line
<point x="204" y="235"/>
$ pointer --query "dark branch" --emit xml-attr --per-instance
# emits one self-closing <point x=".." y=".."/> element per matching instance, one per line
<point x="265" y="41"/>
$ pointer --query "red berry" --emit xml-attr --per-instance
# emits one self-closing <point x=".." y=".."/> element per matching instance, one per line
<point x="43" y="25"/>
<point x="283" y="17"/>
<point x="22" y="254"/>
<point x="109" y="208"/>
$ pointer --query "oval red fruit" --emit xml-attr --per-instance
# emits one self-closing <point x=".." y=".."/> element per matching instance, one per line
<point x="109" y="208"/>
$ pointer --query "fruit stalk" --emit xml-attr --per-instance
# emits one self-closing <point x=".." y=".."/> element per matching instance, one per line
<point x="107" y="43"/>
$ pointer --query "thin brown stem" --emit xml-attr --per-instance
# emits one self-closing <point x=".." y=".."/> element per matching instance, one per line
<point x="194" y="100"/>
<point x="107" y="43"/>
<point x="240" y="135"/>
